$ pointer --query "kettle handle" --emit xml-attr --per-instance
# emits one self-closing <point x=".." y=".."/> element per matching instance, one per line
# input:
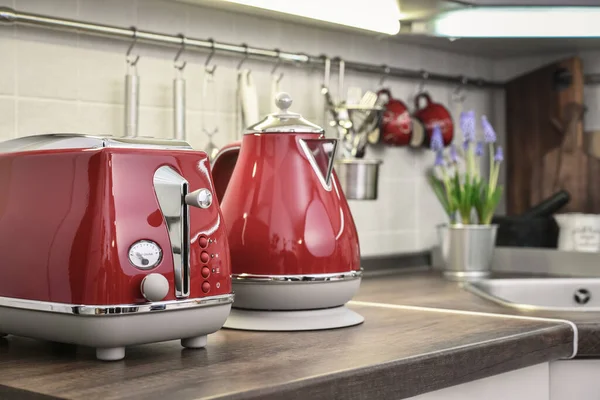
<point x="222" y="167"/>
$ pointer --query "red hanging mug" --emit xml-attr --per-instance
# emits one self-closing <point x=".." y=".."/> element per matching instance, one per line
<point x="396" y="124"/>
<point x="433" y="114"/>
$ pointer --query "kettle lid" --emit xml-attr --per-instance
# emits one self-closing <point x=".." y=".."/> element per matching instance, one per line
<point x="284" y="121"/>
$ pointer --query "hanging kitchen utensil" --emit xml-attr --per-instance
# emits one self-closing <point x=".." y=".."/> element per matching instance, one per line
<point x="209" y="82"/>
<point x="375" y="137"/>
<point x="276" y="82"/>
<point x="179" y="95"/>
<point x="132" y="90"/>
<point x="458" y="97"/>
<point x="247" y="96"/>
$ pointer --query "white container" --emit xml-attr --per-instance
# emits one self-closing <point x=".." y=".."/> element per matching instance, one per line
<point x="578" y="232"/>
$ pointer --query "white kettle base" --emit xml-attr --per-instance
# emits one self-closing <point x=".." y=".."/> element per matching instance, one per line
<point x="302" y="320"/>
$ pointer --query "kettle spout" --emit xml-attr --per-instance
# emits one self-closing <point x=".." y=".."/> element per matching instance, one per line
<point x="320" y="154"/>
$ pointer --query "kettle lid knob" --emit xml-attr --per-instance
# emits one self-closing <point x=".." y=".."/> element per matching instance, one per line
<point x="283" y="101"/>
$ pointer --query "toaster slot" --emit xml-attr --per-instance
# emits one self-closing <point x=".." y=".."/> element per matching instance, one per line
<point x="171" y="189"/>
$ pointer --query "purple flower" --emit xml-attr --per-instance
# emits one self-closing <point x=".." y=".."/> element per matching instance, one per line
<point x="453" y="154"/>
<point x="479" y="149"/>
<point x="489" y="135"/>
<point x="467" y="125"/>
<point x="437" y="141"/>
<point x="439" y="158"/>
<point x="466" y="145"/>
<point x="499" y="156"/>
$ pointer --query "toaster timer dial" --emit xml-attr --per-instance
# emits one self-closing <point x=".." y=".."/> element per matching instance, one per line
<point x="145" y="254"/>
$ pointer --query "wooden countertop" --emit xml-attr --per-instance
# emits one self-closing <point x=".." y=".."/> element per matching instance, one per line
<point x="397" y="353"/>
<point x="427" y="288"/>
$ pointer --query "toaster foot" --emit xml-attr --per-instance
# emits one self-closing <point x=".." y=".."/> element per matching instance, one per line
<point x="197" y="342"/>
<point x="110" y="353"/>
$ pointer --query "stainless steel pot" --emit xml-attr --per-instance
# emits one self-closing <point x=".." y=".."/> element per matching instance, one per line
<point x="358" y="177"/>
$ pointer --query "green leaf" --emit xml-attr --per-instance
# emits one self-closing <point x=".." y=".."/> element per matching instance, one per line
<point x="440" y="192"/>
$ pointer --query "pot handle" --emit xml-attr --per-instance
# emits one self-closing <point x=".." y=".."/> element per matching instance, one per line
<point x="422" y="96"/>
<point x="222" y="167"/>
<point x="385" y="92"/>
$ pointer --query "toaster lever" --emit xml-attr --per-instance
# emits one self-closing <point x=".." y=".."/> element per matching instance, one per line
<point x="201" y="198"/>
<point x="171" y="189"/>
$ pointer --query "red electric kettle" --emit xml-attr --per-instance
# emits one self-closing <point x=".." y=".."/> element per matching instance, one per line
<point x="294" y="246"/>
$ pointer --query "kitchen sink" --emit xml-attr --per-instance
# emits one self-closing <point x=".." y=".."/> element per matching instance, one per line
<point x="551" y="294"/>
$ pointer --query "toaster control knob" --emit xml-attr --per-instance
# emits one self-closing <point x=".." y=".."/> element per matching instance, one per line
<point x="201" y="198"/>
<point x="155" y="287"/>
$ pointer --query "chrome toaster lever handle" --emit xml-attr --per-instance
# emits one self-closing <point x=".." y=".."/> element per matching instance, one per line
<point x="171" y="188"/>
<point x="201" y="198"/>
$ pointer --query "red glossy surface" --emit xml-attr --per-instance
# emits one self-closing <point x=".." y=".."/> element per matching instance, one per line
<point x="203" y="242"/>
<point x="432" y="114"/>
<point x="205" y="272"/>
<point x="68" y="218"/>
<point x="206" y="287"/>
<point x="280" y="219"/>
<point x="204" y="257"/>
<point x="396" y="124"/>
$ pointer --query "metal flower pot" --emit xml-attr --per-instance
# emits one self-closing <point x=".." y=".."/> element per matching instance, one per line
<point x="467" y="250"/>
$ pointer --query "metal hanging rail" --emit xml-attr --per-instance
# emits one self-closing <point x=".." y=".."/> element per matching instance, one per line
<point x="10" y="16"/>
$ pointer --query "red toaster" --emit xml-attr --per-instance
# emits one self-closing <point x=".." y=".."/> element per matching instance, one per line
<point x="110" y="242"/>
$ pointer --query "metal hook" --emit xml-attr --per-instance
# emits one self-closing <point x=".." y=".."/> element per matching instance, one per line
<point x="210" y="70"/>
<point x="458" y="94"/>
<point x="182" y="65"/>
<point x="132" y="62"/>
<point x="239" y="67"/>
<point x="277" y="64"/>
<point x="386" y="72"/>
<point x="424" y="77"/>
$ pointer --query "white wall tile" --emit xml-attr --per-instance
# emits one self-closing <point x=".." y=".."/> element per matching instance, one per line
<point x="61" y="8"/>
<point x="156" y="80"/>
<point x="7" y="3"/>
<point x="102" y="76"/>
<point x="65" y="82"/>
<point x="47" y="70"/>
<point x="204" y="23"/>
<point x="387" y="243"/>
<point x="47" y="116"/>
<point x="101" y="119"/>
<point x="162" y="16"/>
<point x="111" y="12"/>
<point x="155" y="122"/>
<point x="7" y="118"/>
<point x="7" y="65"/>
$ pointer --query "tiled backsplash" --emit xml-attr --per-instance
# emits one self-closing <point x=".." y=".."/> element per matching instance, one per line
<point x="57" y="81"/>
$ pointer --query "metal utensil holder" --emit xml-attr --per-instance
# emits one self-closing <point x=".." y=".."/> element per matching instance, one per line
<point x="359" y="177"/>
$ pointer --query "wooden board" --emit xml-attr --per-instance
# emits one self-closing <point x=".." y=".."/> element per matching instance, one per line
<point x="532" y="101"/>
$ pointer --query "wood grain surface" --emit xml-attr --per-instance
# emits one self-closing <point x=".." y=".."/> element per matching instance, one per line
<point x="429" y="289"/>
<point x="395" y="354"/>
<point x="542" y="159"/>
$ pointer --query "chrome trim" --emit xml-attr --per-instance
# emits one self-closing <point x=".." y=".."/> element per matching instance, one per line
<point x="171" y="189"/>
<point x="334" y="277"/>
<point x="325" y="180"/>
<point x="119" y="309"/>
<point x="56" y="141"/>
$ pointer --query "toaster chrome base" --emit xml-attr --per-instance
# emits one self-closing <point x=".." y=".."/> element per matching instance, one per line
<point x="293" y="293"/>
<point x="111" y="329"/>
<point x="329" y="318"/>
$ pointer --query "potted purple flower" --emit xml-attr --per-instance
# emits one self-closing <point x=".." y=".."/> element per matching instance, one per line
<point x="468" y="198"/>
